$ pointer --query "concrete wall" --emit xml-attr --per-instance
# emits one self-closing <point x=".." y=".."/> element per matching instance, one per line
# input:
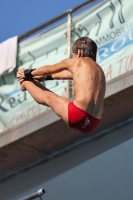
<point x="100" y="169"/>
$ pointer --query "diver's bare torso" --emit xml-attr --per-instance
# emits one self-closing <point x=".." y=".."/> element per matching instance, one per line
<point x="89" y="86"/>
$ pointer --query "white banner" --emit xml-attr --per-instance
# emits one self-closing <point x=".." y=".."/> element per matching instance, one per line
<point x="16" y="107"/>
<point x="111" y="27"/>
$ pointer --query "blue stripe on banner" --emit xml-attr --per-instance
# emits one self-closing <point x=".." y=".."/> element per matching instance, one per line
<point x="114" y="46"/>
<point x="16" y="90"/>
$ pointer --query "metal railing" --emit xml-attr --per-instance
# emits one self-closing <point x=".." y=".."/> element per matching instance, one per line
<point x="35" y="195"/>
<point x="67" y="14"/>
<point x="53" y="20"/>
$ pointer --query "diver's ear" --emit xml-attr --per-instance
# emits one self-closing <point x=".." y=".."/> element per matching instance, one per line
<point x="79" y="53"/>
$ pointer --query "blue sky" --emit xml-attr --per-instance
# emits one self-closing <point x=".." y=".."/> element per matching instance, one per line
<point x="18" y="17"/>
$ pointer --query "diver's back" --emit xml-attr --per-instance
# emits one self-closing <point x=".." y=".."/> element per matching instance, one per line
<point x="89" y="87"/>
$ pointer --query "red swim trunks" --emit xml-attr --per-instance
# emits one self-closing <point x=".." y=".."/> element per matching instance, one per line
<point x="81" y="120"/>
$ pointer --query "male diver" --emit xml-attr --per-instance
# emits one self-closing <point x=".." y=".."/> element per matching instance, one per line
<point x="84" y="112"/>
